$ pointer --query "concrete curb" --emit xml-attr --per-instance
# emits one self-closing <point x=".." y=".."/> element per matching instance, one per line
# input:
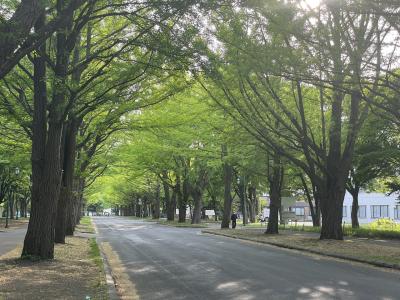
<point x="280" y="245"/>
<point x="112" y="291"/>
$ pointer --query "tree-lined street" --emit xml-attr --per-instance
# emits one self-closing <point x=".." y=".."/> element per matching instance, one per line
<point x="191" y="113"/>
<point x="181" y="263"/>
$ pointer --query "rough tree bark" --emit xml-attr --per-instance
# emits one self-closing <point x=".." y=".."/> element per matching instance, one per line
<point x="241" y="191"/>
<point x="11" y="204"/>
<point x="14" y="31"/>
<point x="196" y="190"/>
<point x="354" y="209"/>
<point x="252" y="200"/>
<point x="65" y="212"/>
<point x="39" y="240"/>
<point x="196" y="195"/>
<point x="184" y="200"/>
<point x="332" y="210"/>
<point x="46" y="145"/>
<point x="275" y="179"/>
<point x="314" y="209"/>
<point x="167" y="197"/>
<point x="172" y="205"/>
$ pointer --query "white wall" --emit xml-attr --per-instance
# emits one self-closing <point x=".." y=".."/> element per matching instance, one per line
<point x="368" y="200"/>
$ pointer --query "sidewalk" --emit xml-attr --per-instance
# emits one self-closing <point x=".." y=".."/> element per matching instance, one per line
<point x="13" y="224"/>
<point x="11" y="239"/>
<point x="377" y="252"/>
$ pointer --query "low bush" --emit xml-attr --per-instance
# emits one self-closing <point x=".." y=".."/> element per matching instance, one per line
<point x="381" y="228"/>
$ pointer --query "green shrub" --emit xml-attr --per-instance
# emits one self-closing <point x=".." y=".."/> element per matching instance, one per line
<point x="384" y="224"/>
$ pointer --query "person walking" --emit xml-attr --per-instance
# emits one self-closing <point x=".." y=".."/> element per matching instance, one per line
<point x="233" y="219"/>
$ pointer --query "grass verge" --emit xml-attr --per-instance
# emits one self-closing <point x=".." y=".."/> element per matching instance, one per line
<point x="363" y="231"/>
<point x="177" y="224"/>
<point x="94" y="253"/>
<point x="85" y="225"/>
<point x="75" y="273"/>
<point x="378" y="253"/>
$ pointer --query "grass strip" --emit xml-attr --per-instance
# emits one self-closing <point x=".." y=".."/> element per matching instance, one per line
<point x="184" y="225"/>
<point x="363" y="251"/>
<point x="85" y="225"/>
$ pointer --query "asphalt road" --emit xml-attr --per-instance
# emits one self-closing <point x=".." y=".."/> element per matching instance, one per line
<point x="181" y="263"/>
<point x="11" y="239"/>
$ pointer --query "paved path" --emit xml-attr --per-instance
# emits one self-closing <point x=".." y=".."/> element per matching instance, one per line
<point x="11" y="238"/>
<point x="180" y="263"/>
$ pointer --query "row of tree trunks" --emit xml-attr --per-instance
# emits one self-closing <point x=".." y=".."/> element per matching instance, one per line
<point x="39" y="240"/>
<point x="48" y="121"/>
<point x="16" y="206"/>
<point x="65" y="224"/>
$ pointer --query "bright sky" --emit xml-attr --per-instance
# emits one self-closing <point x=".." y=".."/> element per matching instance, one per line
<point x="312" y="3"/>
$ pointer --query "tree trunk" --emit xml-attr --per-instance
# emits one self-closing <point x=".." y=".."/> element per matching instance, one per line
<point x="60" y="220"/>
<point x="196" y="195"/>
<point x="273" y="220"/>
<point x="252" y="203"/>
<point x="243" y="199"/>
<point x="60" y="223"/>
<point x="156" y="212"/>
<point x="80" y="183"/>
<point x="332" y="210"/>
<point x="275" y="179"/>
<point x="314" y="209"/>
<point x="274" y="207"/>
<point x="14" y="32"/>
<point x="69" y="170"/>
<point x="12" y="205"/>
<point x="317" y="200"/>
<point x="338" y="165"/>
<point x="39" y="239"/>
<point x="228" y="175"/>
<point x="46" y="171"/>
<point x="16" y="206"/>
<point x="184" y="200"/>
<point x="169" y="206"/>
<point x="354" y="209"/>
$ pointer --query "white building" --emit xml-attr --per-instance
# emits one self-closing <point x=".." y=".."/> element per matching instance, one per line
<point x="372" y="206"/>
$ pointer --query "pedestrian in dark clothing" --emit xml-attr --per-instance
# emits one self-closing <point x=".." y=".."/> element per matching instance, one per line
<point x="233" y="218"/>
